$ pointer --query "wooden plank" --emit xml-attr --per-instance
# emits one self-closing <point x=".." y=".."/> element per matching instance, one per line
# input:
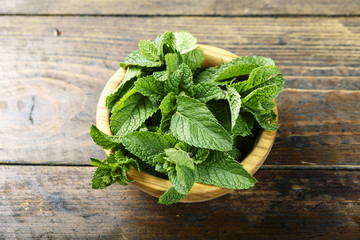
<point x="184" y="7"/>
<point x="50" y="84"/>
<point x="58" y="202"/>
<point x="317" y="127"/>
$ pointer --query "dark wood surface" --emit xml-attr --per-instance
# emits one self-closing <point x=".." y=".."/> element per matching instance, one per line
<point x="183" y="7"/>
<point x="57" y="202"/>
<point x="51" y="80"/>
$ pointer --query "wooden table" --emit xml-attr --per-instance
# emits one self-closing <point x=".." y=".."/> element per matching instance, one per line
<point x="56" y="57"/>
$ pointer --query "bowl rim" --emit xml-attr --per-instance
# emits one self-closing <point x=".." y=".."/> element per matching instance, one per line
<point x="156" y="186"/>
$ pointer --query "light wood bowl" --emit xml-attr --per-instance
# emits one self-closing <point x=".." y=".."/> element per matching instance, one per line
<point x="200" y="192"/>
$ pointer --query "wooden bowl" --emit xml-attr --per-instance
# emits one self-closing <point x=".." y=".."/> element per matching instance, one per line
<point x="200" y="192"/>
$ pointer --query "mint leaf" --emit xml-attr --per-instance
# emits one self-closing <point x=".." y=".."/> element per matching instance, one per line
<point x="222" y="170"/>
<point x="242" y="66"/>
<point x="118" y="94"/>
<point x="201" y="155"/>
<point x="244" y="124"/>
<point x="180" y="80"/>
<point x="235" y="152"/>
<point x="184" y="41"/>
<point x="165" y="42"/>
<point x="125" y="85"/>
<point x="167" y="107"/>
<point x="173" y="61"/>
<point x="149" y="87"/>
<point x="206" y="91"/>
<point x="121" y="159"/>
<point x="136" y="58"/>
<point x="182" y="179"/>
<point x="193" y="59"/>
<point x="149" y="50"/>
<point x="130" y="112"/>
<point x="194" y="124"/>
<point x="103" y="140"/>
<point x="161" y="76"/>
<point x="208" y="75"/>
<point x="179" y="157"/>
<point x="102" y="178"/>
<point x="234" y="99"/>
<point x="221" y="111"/>
<point x="146" y="145"/>
<point x="260" y="77"/>
<point x="260" y="101"/>
<point x="171" y="196"/>
<point x="266" y="121"/>
<point x="112" y="169"/>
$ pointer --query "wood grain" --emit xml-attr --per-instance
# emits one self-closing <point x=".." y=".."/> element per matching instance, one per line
<point x="50" y="84"/>
<point x="320" y="125"/>
<point x="182" y="7"/>
<point x="58" y="202"/>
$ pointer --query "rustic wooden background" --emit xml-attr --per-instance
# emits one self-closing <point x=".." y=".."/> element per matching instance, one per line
<point x="55" y="58"/>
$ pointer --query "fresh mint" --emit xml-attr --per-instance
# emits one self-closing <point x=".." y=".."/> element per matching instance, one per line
<point x="224" y="171"/>
<point x="130" y="112"/>
<point x="149" y="87"/>
<point x="174" y="120"/>
<point x="194" y="124"/>
<point x="206" y="91"/>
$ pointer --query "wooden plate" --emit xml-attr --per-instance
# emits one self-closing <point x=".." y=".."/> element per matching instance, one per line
<point x="155" y="186"/>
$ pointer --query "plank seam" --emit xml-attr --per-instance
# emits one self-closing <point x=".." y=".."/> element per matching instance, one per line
<point x="263" y="167"/>
<point x="180" y="15"/>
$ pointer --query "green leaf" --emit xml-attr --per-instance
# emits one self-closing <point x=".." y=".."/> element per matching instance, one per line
<point x="167" y="107"/>
<point x="260" y="77"/>
<point x="121" y="159"/>
<point x="242" y="66"/>
<point x="103" y="140"/>
<point x="201" y="155"/>
<point x="182" y="178"/>
<point x="118" y="94"/>
<point x="171" y="196"/>
<point x="266" y="121"/>
<point x="194" y="124"/>
<point x="165" y="42"/>
<point x="97" y="163"/>
<point x="221" y="110"/>
<point x="130" y="112"/>
<point x="146" y="145"/>
<point x="102" y="178"/>
<point x="260" y="101"/>
<point x="244" y="124"/>
<point x="184" y="41"/>
<point x="149" y="87"/>
<point x="234" y="99"/>
<point x="222" y="170"/>
<point x="193" y="59"/>
<point x="161" y="76"/>
<point x="149" y="50"/>
<point x="208" y="75"/>
<point x="235" y="152"/>
<point x="180" y="80"/>
<point x="136" y="58"/>
<point x="125" y="85"/>
<point x="206" y="91"/>
<point x="112" y="169"/>
<point x="179" y="157"/>
<point x="173" y="61"/>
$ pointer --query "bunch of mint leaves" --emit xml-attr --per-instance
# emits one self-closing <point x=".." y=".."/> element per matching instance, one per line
<point x="174" y="120"/>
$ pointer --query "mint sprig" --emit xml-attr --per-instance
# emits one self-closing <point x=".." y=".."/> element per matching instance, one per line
<point x="172" y="119"/>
